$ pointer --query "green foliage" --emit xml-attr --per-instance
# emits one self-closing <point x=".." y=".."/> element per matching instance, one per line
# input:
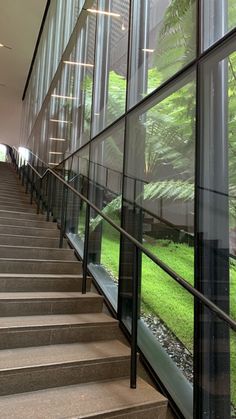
<point x="176" y="43"/>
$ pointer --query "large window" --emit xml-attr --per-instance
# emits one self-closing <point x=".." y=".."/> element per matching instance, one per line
<point x="143" y="93"/>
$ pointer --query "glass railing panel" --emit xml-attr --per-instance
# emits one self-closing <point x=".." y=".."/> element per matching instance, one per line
<point x="217" y="355"/>
<point x="104" y="256"/>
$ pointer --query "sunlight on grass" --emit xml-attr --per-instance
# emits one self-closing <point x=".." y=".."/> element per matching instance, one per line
<point x="161" y="295"/>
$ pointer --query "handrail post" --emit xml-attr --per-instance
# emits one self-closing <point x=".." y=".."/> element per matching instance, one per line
<point x="39" y="195"/>
<point x="23" y="173"/>
<point x="86" y="246"/>
<point x="32" y="187"/>
<point x="27" y="179"/>
<point x="49" y="197"/>
<point x="63" y="215"/>
<point x="135" y="314"/>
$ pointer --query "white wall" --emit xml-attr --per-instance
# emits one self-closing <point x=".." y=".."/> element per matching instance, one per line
<point x="10" y="116"/>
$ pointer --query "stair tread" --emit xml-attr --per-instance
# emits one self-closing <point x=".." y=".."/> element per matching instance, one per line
<point x="26" y="227"/>
<point x="10" y="246"/>
<point x="39" y="222"/>
<point x="20" y="213"/>
<point x="81" y="401"/>
<point x="45" y="276"/>
<point x="47" y="295"/>
<point x="55" y="320"/>
<point x="40" y="260"/>
<point x="11" y="359"/>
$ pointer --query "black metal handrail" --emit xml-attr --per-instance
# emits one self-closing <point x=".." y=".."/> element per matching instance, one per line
<point x="138" y="249"/>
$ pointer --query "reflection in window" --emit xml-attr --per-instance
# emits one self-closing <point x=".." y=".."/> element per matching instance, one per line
<point x="219" y="17"/>
<point x="106" y="167"/>
<point x="159" y="212"/>
<point x="163" y="42"/>
<point x="111" y="63"/>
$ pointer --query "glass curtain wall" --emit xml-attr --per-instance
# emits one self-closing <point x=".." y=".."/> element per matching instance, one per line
<point x="138" y="115"/>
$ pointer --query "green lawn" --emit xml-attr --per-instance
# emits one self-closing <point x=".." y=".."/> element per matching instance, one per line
<point x="161" y="295"/>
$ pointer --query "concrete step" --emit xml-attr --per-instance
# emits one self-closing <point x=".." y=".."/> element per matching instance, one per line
<point x="19" y="200"/>
<point x="22" y="215"/>
<point x="28" y="231"/>
<point x="18" y="240"/>
<point x="37" y="266"/>
<point x="11" y="194"/>
<point x="42" y="303"/>
<point x="27" y="223"/>
<point x="15" y="201"/>
<point x="31" y="369"/>
<point x="42" y="283"/>
<point x="27" y="331"/>
<point x="19" y="208"/>
<point x="99" y="400"/>
<point x="20" y="252"/>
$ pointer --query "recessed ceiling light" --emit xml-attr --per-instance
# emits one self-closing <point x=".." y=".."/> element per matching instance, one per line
<point x="64" y="97"/>
<point x="148" y="50"/>
<point x="53" y="164"/>
<point x="55" y="152"/>
<point x="103" y="12"/>
<point x="60" y="121"/>
<point x="4" y="46"/>
<point x="77" y="63"/>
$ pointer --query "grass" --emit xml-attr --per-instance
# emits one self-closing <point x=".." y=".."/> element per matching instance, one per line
<point x="161" y="295"/>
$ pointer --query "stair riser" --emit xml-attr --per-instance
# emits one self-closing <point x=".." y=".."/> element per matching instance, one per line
<point x="16" y="203"/>
<point x="14" y="196"/>
<point x="31" y="209"/>
<point x="156" y="412"/>
<point x="21" y="215"/>
<point x="27" y="223"/>
<point x="32" y="379"/>
<point x="29" y="241"/>
<point x="35" y="253"/>
<point x="40" y="267"/>
<point x="39" y="336"/>
<point x="13" y="192"/>
<point x="29" y="231"/>
<point x="42" y="284"/>
<point x="42" y="307"/>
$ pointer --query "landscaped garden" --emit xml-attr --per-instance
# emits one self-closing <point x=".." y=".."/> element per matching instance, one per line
<point x="162" y="297"/>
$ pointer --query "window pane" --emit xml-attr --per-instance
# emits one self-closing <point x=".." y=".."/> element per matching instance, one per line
<point x="159" y="175"/>
<point x="106" y="166"/>
<point x="218" y="191"/>
<point x="163" y="41"/>
<point x="111" y="63"/>
<point x="219" y="17"/>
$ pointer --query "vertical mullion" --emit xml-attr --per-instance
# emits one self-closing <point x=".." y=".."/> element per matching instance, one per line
<point x="196" y="344"/>
<point x="122" y="214"/>
<point x="211" y="341"/>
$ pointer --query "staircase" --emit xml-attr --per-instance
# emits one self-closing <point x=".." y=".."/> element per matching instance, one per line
<point x="61" y="354"/>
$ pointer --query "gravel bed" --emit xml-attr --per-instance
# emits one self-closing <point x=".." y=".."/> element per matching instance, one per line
<point x="175" y="349"/>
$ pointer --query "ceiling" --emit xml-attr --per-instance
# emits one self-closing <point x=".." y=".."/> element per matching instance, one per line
<point x="20" y="22"/>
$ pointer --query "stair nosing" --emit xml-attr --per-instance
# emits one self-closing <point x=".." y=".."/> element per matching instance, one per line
<point x="85" y="361"/>
<point x="106" y="320"/>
